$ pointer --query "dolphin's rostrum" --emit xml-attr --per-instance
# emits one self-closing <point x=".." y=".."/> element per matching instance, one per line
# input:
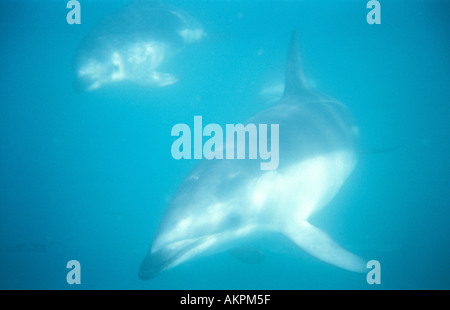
<point x="224" y="202"/>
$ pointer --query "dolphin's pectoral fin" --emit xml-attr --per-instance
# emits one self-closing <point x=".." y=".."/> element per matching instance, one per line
<point x="317" y="243"/>
<point x="163" y="79"/>
<point x="248" y="254"/>
<point x="156" y="79"/>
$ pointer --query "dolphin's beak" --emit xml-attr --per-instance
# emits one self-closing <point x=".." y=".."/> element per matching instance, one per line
<point x="153" y="264"/>
<point x="157" y="261"/>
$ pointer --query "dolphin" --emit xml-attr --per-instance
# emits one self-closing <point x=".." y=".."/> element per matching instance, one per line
<point x="222" y="204"/>
<point x="133" y="44"/>
<point x="272" y="93"/>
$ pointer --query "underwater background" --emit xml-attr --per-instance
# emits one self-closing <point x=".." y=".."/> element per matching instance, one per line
<point x="87" y="175"/>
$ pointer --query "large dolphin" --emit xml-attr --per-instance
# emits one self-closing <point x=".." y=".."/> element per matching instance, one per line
<point x="132" y="44"/>
<point x="223" y="203"/>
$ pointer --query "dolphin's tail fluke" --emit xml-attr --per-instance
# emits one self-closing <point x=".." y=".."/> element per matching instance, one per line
<point x="317" y="243"/>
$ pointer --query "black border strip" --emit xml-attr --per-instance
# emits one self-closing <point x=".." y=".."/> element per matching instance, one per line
<point x="254" y="298"/>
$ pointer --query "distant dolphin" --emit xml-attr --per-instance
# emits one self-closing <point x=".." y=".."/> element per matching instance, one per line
<point x="132" y="44"/>
<point x="223" y="203"/>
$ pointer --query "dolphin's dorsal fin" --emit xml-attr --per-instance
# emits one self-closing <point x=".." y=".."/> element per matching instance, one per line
<point x="295" y="82"/>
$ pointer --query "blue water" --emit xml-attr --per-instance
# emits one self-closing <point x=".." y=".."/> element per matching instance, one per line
<point x="86" y="176"/>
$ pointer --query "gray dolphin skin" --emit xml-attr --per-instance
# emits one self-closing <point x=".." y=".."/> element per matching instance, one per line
<point x="133" y="44"/>
<point x="223" y="203"/>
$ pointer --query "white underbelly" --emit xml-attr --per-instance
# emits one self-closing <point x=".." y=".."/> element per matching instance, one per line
<point x="301" y="188"/>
